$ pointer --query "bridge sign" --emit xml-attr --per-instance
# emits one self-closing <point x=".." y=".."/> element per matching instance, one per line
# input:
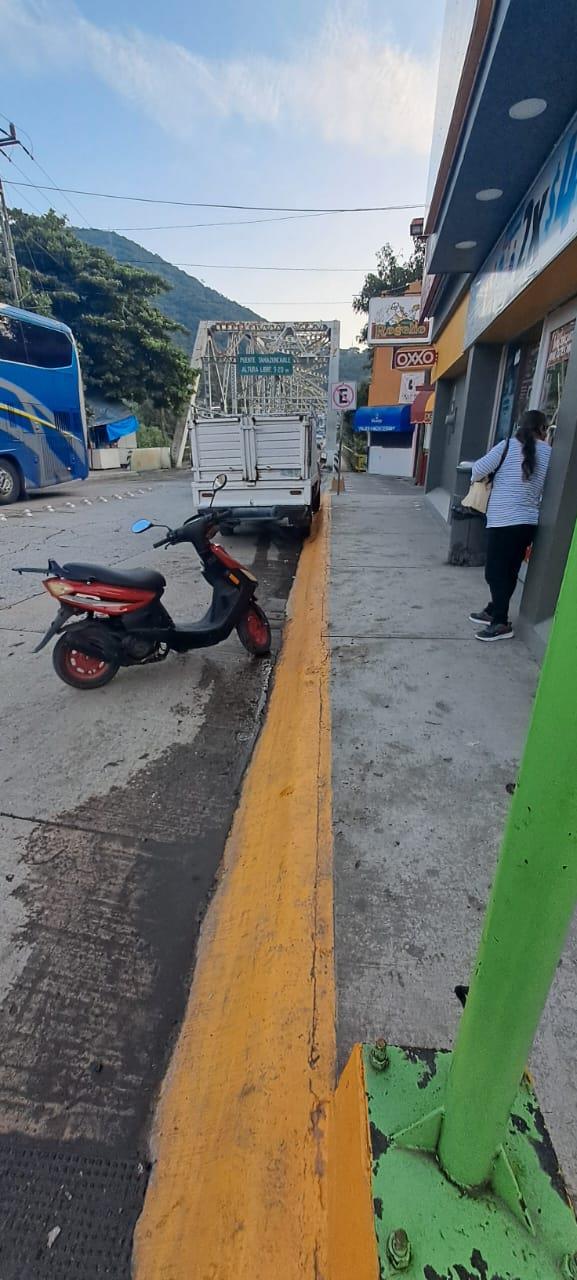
<point x="265" y="365"/>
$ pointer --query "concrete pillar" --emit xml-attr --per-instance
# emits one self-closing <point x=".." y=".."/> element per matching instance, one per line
<point x="481" y="387"/>
<point x="558" y="510"/>
<point x="443" y="391"/>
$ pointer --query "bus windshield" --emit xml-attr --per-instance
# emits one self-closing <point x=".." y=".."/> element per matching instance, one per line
<point x="43" y="438"/>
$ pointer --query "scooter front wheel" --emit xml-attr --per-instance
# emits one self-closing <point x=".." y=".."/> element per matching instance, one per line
<point x="254" y="631"/>
<point x="80" y="670"/>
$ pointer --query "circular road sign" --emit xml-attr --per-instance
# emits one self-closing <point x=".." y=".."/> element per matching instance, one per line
<point x="344" y="395"/>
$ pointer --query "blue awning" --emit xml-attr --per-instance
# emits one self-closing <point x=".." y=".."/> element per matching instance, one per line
<point x="123" y="427"/>
<point x="383" y="417"/>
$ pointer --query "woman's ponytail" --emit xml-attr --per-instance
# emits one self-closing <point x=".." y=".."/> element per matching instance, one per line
<point x="533" y="427"/>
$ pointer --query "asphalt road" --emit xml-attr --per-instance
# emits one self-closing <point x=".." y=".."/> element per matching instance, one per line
<point x="114" y="810"/>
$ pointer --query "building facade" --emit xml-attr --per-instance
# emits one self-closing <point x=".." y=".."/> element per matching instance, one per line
<point x="501" y="273"/>
<point x="402" y="366"/>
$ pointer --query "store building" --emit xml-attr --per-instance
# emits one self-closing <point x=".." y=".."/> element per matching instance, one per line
<point x="403" y="360"/>
<point x="501" y="273"/>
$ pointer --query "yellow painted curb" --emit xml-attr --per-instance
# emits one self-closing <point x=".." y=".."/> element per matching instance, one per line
<point x="239" y="1187"/>
<point x="352" y="1238"/>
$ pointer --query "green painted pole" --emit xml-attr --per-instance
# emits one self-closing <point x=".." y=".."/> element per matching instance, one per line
<point x="531" y="905"/>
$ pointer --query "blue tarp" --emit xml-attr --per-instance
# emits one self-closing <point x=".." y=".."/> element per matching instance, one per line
<point x="383" y="417"/>
<point x="123" y="427"/>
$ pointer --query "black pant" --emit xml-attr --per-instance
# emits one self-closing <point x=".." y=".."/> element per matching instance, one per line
<point x="505" y="554"/>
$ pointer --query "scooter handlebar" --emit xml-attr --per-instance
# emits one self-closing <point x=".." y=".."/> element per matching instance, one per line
<point x="211" y="520"/>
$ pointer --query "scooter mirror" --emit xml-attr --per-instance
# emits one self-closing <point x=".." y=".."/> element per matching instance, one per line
<point x="219" y="481"/>
<point x="140" y="525"/>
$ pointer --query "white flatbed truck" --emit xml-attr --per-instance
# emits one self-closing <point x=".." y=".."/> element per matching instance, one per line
<point x="271" y="464"/>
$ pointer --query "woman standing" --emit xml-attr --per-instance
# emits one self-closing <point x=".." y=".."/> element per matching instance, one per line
<point x="519" y="467"/>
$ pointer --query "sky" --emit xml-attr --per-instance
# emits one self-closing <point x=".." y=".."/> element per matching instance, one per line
<point x="285" y="103"/>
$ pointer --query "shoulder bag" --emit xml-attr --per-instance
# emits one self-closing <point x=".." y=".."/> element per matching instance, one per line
<point x="477" y="499"/>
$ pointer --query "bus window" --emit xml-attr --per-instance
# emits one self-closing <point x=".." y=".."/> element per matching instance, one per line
<point x="12" y="340"/>
<point x="35" y="344"/>
<point x="47" y="348"/>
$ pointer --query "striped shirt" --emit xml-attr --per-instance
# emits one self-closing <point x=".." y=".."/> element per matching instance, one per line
<point x="513" y="500"/>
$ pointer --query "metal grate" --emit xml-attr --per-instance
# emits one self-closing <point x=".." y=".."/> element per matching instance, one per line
<point x="93" y="1199"/>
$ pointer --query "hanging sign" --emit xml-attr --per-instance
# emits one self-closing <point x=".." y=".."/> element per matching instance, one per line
<point x="397" y="320"/>
<point x="406" y="358"/>
<point x="265" y="365"/>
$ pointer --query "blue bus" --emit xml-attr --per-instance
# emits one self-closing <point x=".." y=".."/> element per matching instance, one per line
<point x="43" y="436"/>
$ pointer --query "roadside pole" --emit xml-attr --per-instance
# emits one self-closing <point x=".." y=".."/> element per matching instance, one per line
<point x="337" y="485"/>
<point x="462" y="1172"/>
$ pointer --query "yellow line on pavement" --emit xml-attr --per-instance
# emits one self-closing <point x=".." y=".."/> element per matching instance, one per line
<point x="239" y="1186"/>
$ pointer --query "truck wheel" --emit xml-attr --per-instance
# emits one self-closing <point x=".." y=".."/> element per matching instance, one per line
<point x="316" y="499"/>
<point x="302" y="523"/>
<point x="10" y="482"/>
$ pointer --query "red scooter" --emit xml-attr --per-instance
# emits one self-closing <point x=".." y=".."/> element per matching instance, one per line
<point x="112" y="618"/>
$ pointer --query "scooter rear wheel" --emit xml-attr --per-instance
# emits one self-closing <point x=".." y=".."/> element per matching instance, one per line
<point x="80" y="670"/>
<point x="254" y="631"/>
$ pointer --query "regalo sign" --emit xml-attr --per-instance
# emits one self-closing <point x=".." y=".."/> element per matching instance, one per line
<point x="544" y="224"/>
<point x="396" y="320"/>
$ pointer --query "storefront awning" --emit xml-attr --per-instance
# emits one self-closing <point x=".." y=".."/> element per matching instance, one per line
<point x="423" y="405"/>
<point x="383" y="417"/>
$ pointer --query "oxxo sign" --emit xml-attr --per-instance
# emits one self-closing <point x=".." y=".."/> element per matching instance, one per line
<point x="407" y="358"/>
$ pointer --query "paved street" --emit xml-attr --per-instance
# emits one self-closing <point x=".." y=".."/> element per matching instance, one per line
<point x="115" y="807"/>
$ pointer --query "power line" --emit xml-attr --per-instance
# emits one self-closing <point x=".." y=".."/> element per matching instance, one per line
<point x="211" y="204"/>
<point x="221" y="266"/>
<point x="38" y="188"/>
<point x="26" y="199"/>
<point x="244" y="222"/>
<point x="19" y="128"/>
<point x="59" y="189"/>
<point x="8" y="138"/>
<point x="30" y="153"/>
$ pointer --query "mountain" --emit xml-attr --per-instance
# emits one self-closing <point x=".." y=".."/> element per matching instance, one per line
<point x="188" y="300"/>
<point x="354" y="364"/>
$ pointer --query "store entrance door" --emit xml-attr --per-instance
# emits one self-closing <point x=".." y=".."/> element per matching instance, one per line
<point x="554" y="353"/>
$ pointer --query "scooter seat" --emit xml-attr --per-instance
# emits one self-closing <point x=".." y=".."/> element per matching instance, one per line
<point x="146" y="579"/>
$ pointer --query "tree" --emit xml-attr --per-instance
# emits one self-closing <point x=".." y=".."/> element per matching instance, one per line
<point x="391" y="276"/>
<point x="126" y="344"/>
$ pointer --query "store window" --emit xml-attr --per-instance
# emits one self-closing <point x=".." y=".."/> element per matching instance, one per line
<point x="559" y="350"/>
<point x="520" y="365"/>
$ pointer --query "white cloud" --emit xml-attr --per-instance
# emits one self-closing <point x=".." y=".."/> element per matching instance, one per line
<point x="348" y="86"/>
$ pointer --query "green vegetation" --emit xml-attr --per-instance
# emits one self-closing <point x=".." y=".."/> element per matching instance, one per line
<point x="183" y="298"/>
<point x="391" y="276"/>
<point x="126" y="343"/>
<point x="354" y="364"/>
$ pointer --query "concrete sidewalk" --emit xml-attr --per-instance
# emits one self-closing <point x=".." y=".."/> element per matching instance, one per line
<point x="428" y="729"/>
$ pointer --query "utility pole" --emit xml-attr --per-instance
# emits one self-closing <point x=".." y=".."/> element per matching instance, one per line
<point x="9" y="139"/>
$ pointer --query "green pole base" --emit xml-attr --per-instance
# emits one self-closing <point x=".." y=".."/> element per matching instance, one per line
<point x="521" y="1228"/>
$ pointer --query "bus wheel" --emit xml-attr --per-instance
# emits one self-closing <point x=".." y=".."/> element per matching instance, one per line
<point x="10" y="482"/>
